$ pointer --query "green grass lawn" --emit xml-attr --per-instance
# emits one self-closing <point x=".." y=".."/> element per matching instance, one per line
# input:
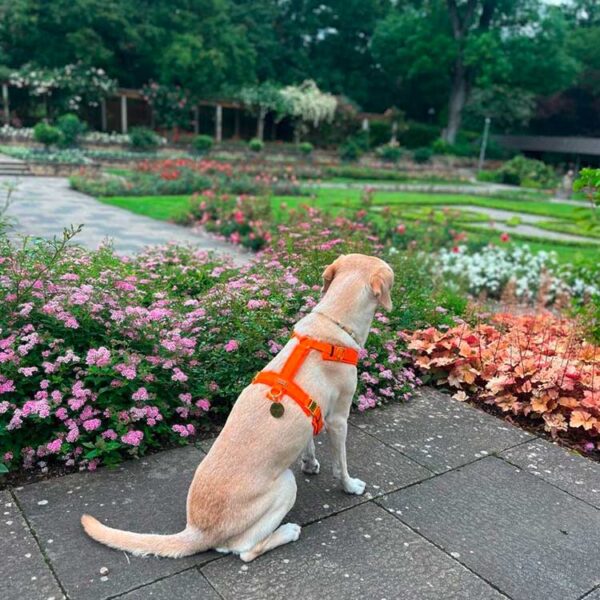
<point x="163" y="208"/>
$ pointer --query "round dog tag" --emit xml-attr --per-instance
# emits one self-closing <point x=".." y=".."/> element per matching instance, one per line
<point x="277" y="410"/>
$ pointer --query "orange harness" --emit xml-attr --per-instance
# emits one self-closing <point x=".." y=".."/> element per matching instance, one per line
<point x="283" y="383"/>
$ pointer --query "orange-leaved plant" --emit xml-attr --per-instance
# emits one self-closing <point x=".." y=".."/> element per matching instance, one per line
<point x="538" y="366"/>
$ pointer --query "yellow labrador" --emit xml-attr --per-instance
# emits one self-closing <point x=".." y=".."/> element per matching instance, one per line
<point x="244" y="487"/>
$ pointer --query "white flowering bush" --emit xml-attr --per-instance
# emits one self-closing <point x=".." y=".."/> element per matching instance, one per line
<point x="308" y="103"/>
<point x="73" y="85"/>
<point x="490" y="269"/>
<point x="10" y="133"/>
<point x="7" y="132"/>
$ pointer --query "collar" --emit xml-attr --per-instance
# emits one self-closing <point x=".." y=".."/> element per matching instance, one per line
<point x="343" y="327"/>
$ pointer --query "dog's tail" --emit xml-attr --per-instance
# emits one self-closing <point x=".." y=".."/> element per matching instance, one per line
<point x="187" y="542"/>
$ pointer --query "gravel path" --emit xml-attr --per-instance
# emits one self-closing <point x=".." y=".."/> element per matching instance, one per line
<point x="44" y="206"/>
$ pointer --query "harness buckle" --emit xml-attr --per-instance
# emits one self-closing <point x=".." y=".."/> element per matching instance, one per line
<point x="339" y="353"/>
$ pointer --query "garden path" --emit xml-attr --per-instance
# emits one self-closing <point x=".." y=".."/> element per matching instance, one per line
<point x="459" y="505"/>
<point x="497" y="216"/>
<point x="44" y="206"/>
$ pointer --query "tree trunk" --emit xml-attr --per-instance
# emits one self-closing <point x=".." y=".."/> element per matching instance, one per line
<point x="260" y="127"/>
<point x="458" y="99"/>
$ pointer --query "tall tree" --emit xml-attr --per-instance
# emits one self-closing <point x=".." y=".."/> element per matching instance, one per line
<point x="476" y="44"/>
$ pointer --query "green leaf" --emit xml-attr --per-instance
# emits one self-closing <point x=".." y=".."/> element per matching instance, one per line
<point x="3" y="468"/>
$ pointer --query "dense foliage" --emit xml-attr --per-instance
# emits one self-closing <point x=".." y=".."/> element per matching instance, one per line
<point x="105" y="356"/>
<point x="442" y="61"/>
<point x="534" y="366"/>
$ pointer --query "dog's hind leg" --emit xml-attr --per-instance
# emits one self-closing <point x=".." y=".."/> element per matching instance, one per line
<point x="266" y="534"/>
<point x="310" y="464"/>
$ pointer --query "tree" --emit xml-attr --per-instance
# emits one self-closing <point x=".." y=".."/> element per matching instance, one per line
<point x="186" y="42"/>
<point x="476" y="44"/>
<point x="306" y="103"/>
<point x="262" y="99"/>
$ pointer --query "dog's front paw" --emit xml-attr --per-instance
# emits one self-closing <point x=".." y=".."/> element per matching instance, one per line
<point x="354" y="486"/>
<point x="310" y="466"/>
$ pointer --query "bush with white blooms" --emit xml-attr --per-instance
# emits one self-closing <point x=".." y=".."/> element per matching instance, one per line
<point x="490" y="269"/>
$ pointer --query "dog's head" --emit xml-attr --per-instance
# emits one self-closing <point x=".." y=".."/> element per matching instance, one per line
<point x="375" y="273"/>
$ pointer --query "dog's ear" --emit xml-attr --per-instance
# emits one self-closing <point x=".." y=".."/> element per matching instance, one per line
<point x="381" y="284"/>
<point x="329" y="274"/>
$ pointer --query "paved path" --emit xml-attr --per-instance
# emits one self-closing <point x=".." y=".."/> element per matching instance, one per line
<point x="459" y="505"/>
<point x="44" y="206"/>
<point x="526" y="228"/>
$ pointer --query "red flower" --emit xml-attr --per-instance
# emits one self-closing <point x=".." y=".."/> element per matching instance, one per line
<point x="504" y="237"/>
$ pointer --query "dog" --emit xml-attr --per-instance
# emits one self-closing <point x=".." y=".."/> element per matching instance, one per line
<point x="244" y="487"/>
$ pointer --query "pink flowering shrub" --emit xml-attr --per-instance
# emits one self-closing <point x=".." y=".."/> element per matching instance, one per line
<point x="238" y="219"/>
<point x="103" y="357"/>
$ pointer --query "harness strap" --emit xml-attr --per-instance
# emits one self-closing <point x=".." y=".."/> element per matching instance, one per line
<point x="282" y="383"/>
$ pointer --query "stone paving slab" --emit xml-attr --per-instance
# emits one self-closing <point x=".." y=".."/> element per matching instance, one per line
<point x="357" y="554"/>
<point x="569" y="471"/>
<point x="439" y="432"/>
<point x="369" y="459"/>
<point x="23" y="571"/>
<point x="190" y="585"/>
<point x="526" y="537"/>
<point x="147" y="495"/>
<point x="44" y="206"/>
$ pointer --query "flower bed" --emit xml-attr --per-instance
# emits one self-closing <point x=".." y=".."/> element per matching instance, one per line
<point x="244" y="220"/>
<point x="538" y="367"/>
<point x="492" y="270"/>
<point x="103" y="357"/>
<point x="187" y="176"/>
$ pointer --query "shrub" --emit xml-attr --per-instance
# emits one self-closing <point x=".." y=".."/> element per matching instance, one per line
<point x="491" y="176"/>
<point x="422" y="155"/>
<point x="306" y="148"/>
<point x="520" y="171"/>
<point x="71" y="128"/>
<point x="418" y="135"/>
<point x="240" y="219"/>
<point x="142" y="138"/>
<point x="350" y="151"/>
<point x="202" y="143"/>
<point x="47" y="134"/>
<point x="256" y="145"/>
<point x="187" y="176"/>
<point x="103" y="357"/>
<point x="389" y="153"/>
<point x="537" y="367"/>
<point x="380" y="133"/>
<point x="531" y="277"/>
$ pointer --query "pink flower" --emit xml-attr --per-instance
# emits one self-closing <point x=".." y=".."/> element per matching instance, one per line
<point x="179" y="375"/>
<point x="128" y="371"/>
<point x="91" y="424"/>
<point x="133" y="437"/>
<point x="109" y="434"/>
<point x="231" y="346"/>
<point x="141" y="394"/>
<point x="184" y="430"/>
<point x="7" y="386"/>
<point x="55" y="446"/>
<point x="186" y="398"/>
<point x="73" y="434"/>
<point x="99" y="357"/>
<point x="504" y="237"/>
<point x="203" y="404"/>
<point x="8" y="456"/>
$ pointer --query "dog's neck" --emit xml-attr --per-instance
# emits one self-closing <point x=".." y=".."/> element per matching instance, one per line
<point x="354" y="311"/>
